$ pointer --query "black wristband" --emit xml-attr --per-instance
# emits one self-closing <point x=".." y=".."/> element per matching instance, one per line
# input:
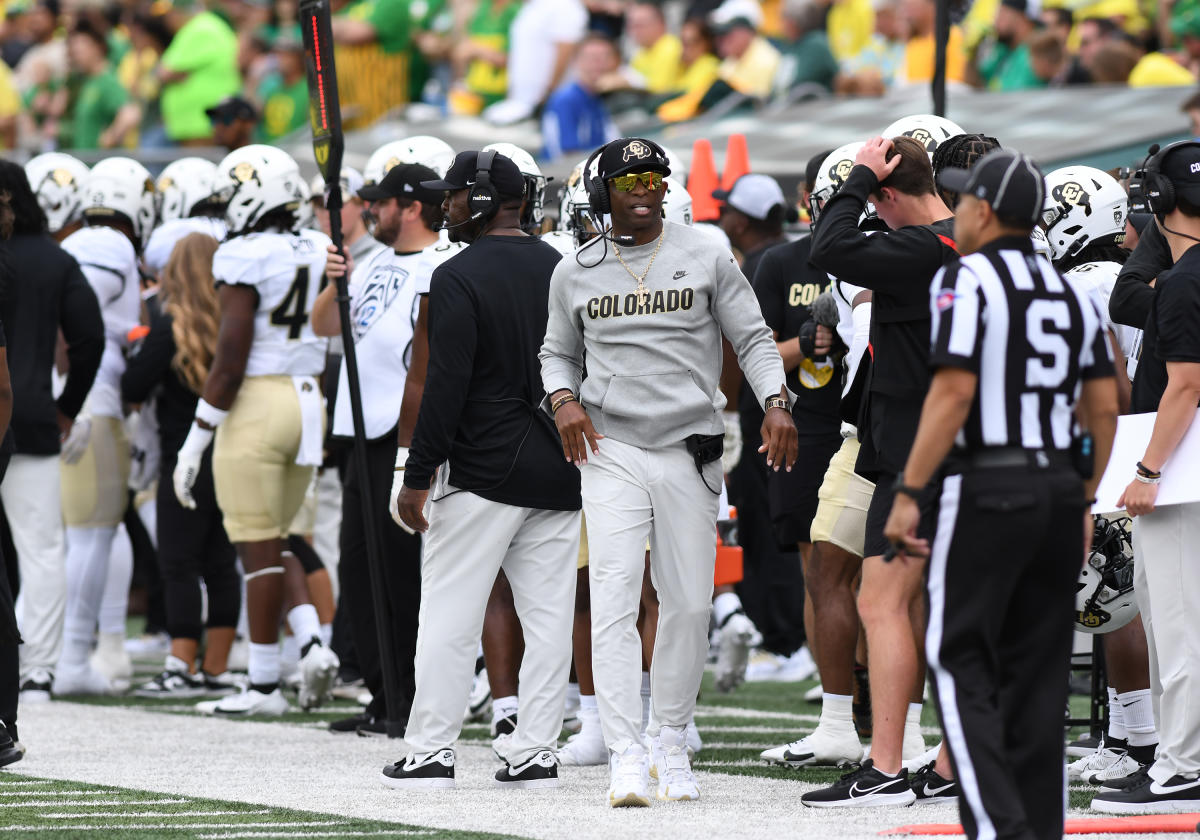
<point x="900" y="488"/>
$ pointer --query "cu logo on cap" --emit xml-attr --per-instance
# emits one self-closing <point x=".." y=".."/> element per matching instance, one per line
<point x="637" y="149"/>
<point x="1072" y="193"/>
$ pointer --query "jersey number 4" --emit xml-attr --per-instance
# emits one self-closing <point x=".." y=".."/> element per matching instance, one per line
<point x="291" y="311"/>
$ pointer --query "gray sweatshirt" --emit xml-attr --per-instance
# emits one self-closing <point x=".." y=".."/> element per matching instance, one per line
<point x="653" y="369"/>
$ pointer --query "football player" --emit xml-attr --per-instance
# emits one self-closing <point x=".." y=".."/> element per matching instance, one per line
<point x="58" y="181"/>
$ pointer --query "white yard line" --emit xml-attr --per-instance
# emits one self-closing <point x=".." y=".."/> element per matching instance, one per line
<point x="56" y="793"/>
<point x="389" y="833"/>
<point x="142" y="815"/>
<point x="5" y="783"/>
<point x="161" y="826"/>
<point x="94" y="803"/>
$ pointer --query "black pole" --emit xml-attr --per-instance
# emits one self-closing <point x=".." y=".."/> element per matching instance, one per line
<point x="941" y="40"/>
<point x="327" y="148"/>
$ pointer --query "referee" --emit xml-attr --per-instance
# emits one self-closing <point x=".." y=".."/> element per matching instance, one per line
<point x="1014" y="349"/>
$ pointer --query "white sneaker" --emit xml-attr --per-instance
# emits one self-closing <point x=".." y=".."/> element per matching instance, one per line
<point x="249" y="702"/>
<point x="692" y="739"/>
<point x="1104" y="764"/>
<point x="913" y="763"/>
<point x="676" y="781"/>
<point x="586" y="749"/>
<point x="480" y="700"/>
<point x="150" y="647"/>
<point x="825" y="747"/>
<point x="913" y="749"/>
<point x="797" y="667"/>
<point x="239" y="654"/>
<point x="763" y="666"/>
<point x="111" y="659"/>
<point x="738" y="636"/>
<point x="318" y="670"/>
<point x="35" y="688"/>
<point x="629" y="778"/>
<point x="82" y="679"/>
<point x="816" y="694"/>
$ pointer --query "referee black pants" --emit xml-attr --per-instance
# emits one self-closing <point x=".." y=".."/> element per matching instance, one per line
<point x="1002" y="581"/>
<point x="401" y="573"/>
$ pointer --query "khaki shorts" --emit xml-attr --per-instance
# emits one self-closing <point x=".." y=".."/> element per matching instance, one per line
<point x="95" y="488"/>
<point x="260" y="488"/>
<point x="842" y="502"/>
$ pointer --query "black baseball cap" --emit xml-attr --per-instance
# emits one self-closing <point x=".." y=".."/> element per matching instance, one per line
<point x="232" y="108"/>
<point x="505" y="176"/>
<point x="1009" y="181"/>
<point x="632" y="154"/>
<point x="404" y="180"/>
<point x="1180" y="164"/>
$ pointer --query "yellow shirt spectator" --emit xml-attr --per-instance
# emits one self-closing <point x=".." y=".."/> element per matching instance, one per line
<point x="1158" y="70"/>
<point x="660" y="64"/>
<point x="754" y="73"/>
<point x="849" y="26"/>
<point x="918" y="59"/>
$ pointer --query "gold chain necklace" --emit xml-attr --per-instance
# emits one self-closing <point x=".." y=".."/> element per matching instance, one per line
<point x="642" y="292"/>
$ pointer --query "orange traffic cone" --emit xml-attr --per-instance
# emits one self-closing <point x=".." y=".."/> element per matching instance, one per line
<point x="737" y="160"/>
<point x="702" y="180"/>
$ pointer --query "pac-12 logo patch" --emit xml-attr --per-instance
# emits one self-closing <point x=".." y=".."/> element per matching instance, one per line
<point x="945" y="299"/>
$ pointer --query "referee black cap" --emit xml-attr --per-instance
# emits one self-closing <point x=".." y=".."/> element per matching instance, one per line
<point x="1009" y="181"/>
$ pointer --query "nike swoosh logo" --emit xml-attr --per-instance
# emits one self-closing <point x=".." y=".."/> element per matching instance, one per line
<point x="930" y="792"/>
<point x="856" y="791"/>
<point x="1163" y="790"/>
<point x="1127" y="705"/>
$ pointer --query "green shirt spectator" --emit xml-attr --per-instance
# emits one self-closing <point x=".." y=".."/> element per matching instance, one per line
<point x="1009" y="68"/>
<point x="100" y="108"/>
<point x="487" y="42"/>
<point x="198" y="70"/>
<point x="285" y="94"/>
<point x="100" y="100"/>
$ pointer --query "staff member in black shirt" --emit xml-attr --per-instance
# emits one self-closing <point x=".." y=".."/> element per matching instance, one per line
<point x="1168" y="582"/>
<point x="1016" y="352"/>
<point x="897" y="266"/>
<point x="46" y="293"/>
<point x="506" y="498"/>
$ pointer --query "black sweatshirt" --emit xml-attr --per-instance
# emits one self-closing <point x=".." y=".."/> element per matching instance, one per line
<point x="46" y="292"/>
<point x="488" y="308"/>
<point x="1133" y="297"/>
<point x="149" y="367"/>
<point x="897" y="266"/>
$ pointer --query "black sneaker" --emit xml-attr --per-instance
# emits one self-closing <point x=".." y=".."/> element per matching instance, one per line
<point x="35" y="691"/>
<point x="9" y="752"/>
<point x="538" y="773"/>
<point x="861" y="706"/>
<point x="372" y="727"/>
<point x="1085" y="745"/>
<point x="1178" y="794"/>
<point x="347" y="726"/>
<point x="865" y="787"/>
<point x="931" y="787"/>
<point x="506" y="725"/>
<point x="1134" y="779"/>
<point x="432" y="771"/>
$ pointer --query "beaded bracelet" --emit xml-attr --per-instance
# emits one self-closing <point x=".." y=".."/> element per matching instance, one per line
<point x="561" y="401"/>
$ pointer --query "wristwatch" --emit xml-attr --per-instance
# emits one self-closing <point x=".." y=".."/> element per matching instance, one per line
<point x="900" y="488"/>
<point x="777" y="402"/>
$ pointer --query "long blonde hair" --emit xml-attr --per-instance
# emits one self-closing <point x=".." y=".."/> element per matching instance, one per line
<point x="190" y="298"/>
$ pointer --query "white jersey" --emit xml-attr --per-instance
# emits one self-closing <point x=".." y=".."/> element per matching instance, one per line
<point x="1099" y="279"/>
<point x="109" y="263"/>
<point x="561" y="241"/>
<point x="286" y="270"/>
<point x="167" y="235"/>
<point x="385" y="294"/>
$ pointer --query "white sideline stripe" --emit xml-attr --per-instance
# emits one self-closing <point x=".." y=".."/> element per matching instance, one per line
<point x="160" y="826"/>
<point x="56" y="793"/>
<point x="147" y="814"/>
<point x="739" y="712"/>
<point x="94" y="803"/>
<point x="29" y="782"/>
<point x="392" y="833"/>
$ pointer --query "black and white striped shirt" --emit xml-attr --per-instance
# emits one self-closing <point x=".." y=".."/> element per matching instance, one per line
<point x="1031" y="337"/>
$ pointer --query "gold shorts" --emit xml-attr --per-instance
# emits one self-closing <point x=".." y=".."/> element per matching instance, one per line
<point x="842" y="502"/>
<point x="95" y="488"/>
<point x="260" y="488"/>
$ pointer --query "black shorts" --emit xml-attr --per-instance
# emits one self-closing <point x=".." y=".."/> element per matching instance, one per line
<point x="881" y="508"/>
<point x="792" y="496"/>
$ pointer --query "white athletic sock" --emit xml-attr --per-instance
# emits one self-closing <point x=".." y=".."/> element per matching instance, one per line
<point x="264" y="664"/>
<point x="912" y="720"/>
<point x="503" y="707"/>
<point x="114" y="604"/>
<point x="572" y="703"/>
<point x="1138" y="711"/>
<point x="589" y="718"/>
<point x="326" y="634"/>
<point x="86" y="571"/>
<point x="837" y="712"/>
<point x="588" y="705"/>
<point x="645" y="701"/>
<point x="725" y="605"/>
<point x="291" y="652"/>
<point x="304" y="623"/>
<point x="1116" y="718"/>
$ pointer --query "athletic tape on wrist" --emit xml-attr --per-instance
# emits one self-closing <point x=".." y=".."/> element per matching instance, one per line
<point x="210" y="414"/>
<point x="197" y="440"/>
<point x="401" y="458"/>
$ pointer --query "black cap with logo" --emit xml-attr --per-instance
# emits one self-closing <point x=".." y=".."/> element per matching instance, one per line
<point x="505" y="176"/>
<point x="404" y="180"/>
<point x="1009" y="181"/>
<point x="631" y="154"/>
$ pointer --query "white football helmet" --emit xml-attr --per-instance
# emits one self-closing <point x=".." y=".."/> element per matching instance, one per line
<point x="1082" y="205"/>
<point x="1041" y="245"/>
<point x="1104" y="600"/>
<point x="562" y="241"/>
<point x="535" y="181"/>
<point x="422" y="149"/>
<point x="306" y="216"/>
<point x="121" y="187"/>
<point x="829" y="179"/>
<point x="183" y="186"/>
<point x="256" y="180"/>
<point x="677" y="203"/>
<point x="58" y="181"/>
<point x="928" y="129"/>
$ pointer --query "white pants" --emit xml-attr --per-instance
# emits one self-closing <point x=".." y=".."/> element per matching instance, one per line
<point x="629" y="495"/>
<point x="31" y="493"/>
<point x="1167" y="567"/>
<point x="469" y="540"/>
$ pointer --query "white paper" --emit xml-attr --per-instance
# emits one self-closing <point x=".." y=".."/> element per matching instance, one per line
<point x="1181" y="473"/>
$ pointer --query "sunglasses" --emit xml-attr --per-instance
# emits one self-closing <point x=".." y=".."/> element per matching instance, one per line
<point x="628" y="183"/>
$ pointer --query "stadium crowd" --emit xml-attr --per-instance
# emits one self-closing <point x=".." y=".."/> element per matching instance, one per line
<point x="124" y="75"/>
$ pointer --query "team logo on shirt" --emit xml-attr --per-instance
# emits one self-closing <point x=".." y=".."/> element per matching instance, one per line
<point x="922" y="136"/>
<point x="945" y="299"/>
<point x="1072" y="193"/>
<point x="636" y="150"/>
<point x="617" y="306"/>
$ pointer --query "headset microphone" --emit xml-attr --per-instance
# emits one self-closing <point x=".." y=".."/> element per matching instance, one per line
<point x="474" y="217"/>
<point x="627" y="241"/>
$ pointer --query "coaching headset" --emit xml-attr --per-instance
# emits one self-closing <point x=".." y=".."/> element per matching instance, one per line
<point x="1150" y="191"/>
<point x="483" y="201"/>
<point x="596" y="185"/>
